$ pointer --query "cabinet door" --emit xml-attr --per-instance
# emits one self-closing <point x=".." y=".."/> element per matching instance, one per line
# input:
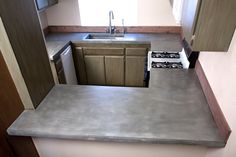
<point x="95" y="70"/>
<point x="215" y="26"/>
<point x="134" y="70"/>
<point x="61" y="77"/>
<point x="114" y="66"/>
<point x="136" y="51"/>
<point x="42" y="4"/>
<point x="189" y="17"/>
<point x="80" y="65"/>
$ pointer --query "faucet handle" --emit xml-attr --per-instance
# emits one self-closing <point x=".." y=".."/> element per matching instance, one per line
<point x="123" y="22"/>
<point x="123" y="25"/>
<point x="107" y="30"/>
<point x="113" y="29"/>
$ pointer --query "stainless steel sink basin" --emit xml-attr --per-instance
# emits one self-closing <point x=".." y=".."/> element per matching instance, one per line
<point x="104" y="36"/>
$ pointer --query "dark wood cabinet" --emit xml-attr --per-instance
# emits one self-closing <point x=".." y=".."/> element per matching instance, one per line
<point x="22" y="25"/>
<point x="43" y="4"/>
<point x="209" y="25"/>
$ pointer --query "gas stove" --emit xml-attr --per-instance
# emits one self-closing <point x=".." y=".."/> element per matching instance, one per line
<point x="167" y="60"/>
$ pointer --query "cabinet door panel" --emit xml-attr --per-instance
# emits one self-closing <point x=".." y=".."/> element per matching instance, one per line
<point x="114" y="66"/>
<point x="136" y="51"/>
<point x="80" y="65"/>
<point x="216" y="25"/>
<point x="95" y="70"/>
<point x="103" y="51"/>
<point x="134" y="70"/>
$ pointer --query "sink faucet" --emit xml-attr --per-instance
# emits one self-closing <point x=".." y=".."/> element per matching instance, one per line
<point x="111" y="17"/>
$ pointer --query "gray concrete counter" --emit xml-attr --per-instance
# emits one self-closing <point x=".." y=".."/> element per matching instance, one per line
<point x="172" y="110"/>
<point x="161" y="41"/>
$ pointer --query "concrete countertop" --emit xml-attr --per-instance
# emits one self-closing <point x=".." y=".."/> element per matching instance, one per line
<point x="54" y="47"/>
<point x="161" y="41"/>
<point x="172" y="110"/>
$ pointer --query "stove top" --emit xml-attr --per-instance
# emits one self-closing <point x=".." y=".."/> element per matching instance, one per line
<point x="169" y="65"/>
<point x="165" y="55"/>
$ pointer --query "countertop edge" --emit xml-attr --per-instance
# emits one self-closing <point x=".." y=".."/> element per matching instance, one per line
<point x="215" y="144"/>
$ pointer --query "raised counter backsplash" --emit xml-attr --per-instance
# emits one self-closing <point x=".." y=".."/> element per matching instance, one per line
<point x="128" y="29"/>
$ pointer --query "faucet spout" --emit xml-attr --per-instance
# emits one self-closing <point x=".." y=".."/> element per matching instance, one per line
<point x="111" y="17"/>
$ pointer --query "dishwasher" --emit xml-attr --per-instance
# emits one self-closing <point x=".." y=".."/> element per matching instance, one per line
<point x="68" y="66"/>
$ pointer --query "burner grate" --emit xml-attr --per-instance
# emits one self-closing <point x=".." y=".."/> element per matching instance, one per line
<point x="169" y="65"/>
<point x="165" y="55"/>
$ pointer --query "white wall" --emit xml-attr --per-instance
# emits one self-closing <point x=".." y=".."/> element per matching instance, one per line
<point x="65" y="13"/>
<point x="43" y="19"/>
<point x="155" y="13"/>
<point x="177" y="10"/>
<point x="220" y="69"/>
<point x="72" y="148"/>
<point x="150" y="13"/>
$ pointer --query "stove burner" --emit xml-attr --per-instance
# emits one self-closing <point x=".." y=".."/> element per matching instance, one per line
<point x="165" y="55"/>
<point x="169" y="65"/>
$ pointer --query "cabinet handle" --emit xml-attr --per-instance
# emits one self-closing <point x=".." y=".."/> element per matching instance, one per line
<point x="192" y="39"/>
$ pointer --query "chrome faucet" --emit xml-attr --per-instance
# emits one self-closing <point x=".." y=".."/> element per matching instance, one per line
<point x="111" y="17"/>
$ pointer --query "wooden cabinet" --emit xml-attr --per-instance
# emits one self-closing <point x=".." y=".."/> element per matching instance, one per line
<point x="95" y="69"/>
<point x="28" y="45"/>
<point x="189" y="16"/>
<point x="114" y="67"/>
<point x="135" y="66"/>
<point x="104" y="66"/>
<point x="80" y="65"/>
<point x="208" y="25"/>
<point x="111" y="64"/>
<point x="43" y="4"/>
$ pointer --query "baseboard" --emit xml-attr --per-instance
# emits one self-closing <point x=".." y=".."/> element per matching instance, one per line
<point x="214" y="106"/>
<point x="128" y="29"/>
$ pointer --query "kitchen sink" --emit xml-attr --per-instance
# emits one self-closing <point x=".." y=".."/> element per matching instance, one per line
<point x="104" y="36"/>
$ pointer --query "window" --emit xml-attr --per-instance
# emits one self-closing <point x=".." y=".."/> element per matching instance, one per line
<point x="96" y="12"/>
